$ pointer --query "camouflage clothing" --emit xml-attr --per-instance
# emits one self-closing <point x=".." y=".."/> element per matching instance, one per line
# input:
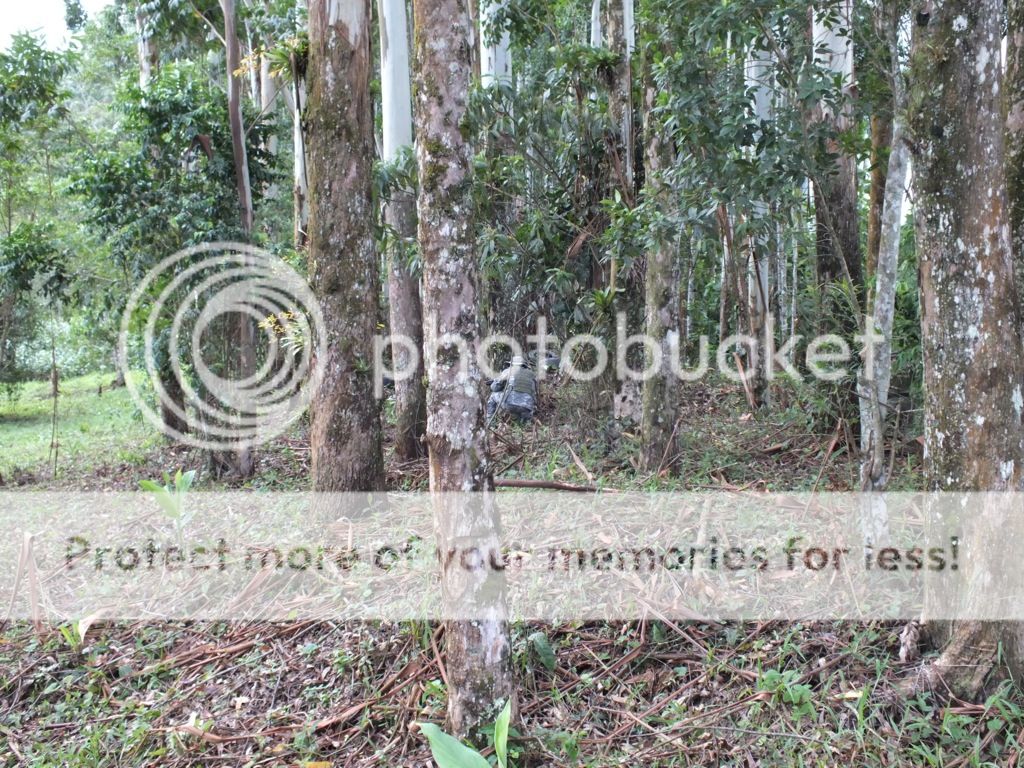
<point x="515" y="392"/>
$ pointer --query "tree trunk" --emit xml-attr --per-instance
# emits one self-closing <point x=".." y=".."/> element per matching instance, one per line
<point x="881" y="141"/>
<point x="835" y="190"/>
<point x="477" y="653"/>
<point x="621" y="34"/>
<point x="875" y="376"/>
<point x="268" y="97"/>
<point x="295" y="95"/>
<point x="345" y="433"/>
<point x="495" y="58"/>
<point x="596" y="38"/>
<point x="660" y="391"/>
<point x="245" y="332"/>
<point x="1014" y="91"/>
<point x="148" y="53"/>
<point x="758" y="73"/>
<point x="406" y="315"/>
<point x="970" y="331"/>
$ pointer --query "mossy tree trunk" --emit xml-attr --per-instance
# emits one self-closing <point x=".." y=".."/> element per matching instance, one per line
<point x="476" y="652"/>
<point x="661" y="390"/>
<point x="970" y="333"/>
<point x="345" y="433"/>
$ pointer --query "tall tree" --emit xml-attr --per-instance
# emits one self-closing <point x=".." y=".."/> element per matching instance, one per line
<point x="876" y="373"/>
<point x="660" y="391"/>
<point x="973" y="354"/>
<point x="835" y="189"/>
<point x="406" y="312"/>
<point x="477" y="652"/>
<point x="345" y="434"/>
<point x="759" y="75"/>
<point x="243" y="463"/>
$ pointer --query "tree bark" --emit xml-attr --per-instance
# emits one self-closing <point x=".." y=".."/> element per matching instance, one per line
<point x="345" y="433"/>
<point x="495" y="57"/>
<point x="970" y="330"/>
<point x="245" y="332"/>
<point x="875" y="376"/>
<point x="149" y="58"/>
<point x="621" y="35"/>
<point x="405" y="310"/>
<point x="1014" y="90"/>
<point x="881" y="142"/>
<point x="835" y="190"/>
<point x="477" y="652"/>
<point x="660" y="391"/>
<point x="758" y="73"/>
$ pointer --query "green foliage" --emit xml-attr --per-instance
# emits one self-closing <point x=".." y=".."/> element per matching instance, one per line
<point x="30" y="82"/>
<point x="171" y="498"/>
<point x="449" y="752"/>
<point x="788" y="690"/>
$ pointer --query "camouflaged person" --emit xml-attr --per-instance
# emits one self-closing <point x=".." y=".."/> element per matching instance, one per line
<point x="514" y="391"/>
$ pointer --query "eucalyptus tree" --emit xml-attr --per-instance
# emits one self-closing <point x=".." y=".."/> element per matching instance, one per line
<point x="345" y="433"/>
<point x="404" y="305"/>
<point x="477" y="653"/>
<point x="973" y="352"/>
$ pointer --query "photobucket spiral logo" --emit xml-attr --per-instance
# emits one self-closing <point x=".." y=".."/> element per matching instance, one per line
<point x="228" y="334"/>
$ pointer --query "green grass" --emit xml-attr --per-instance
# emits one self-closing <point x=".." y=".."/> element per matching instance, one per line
<point x="93" y="429"/>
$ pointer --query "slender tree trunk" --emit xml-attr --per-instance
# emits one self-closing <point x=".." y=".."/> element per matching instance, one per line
<point x="345" y="434"/>
<point x="245" y="332"/>
<point x="268" y="98"/>
<point x="875" y="376"/>
<point x="596" y="38"/>
<point x="970" y="330"/>
<point x="295" y="95"/>
<point x="621" y="35"/>
<point x="835" y="191"/>
<point x="477" y="652"/>
<point x="881" y="141"/>
<point x="660" y="391"/>
<point x="149" y="58"/>
<point x="495" y="57"/>
<point x="759" y="66"/>
<point x="406" y="315"/>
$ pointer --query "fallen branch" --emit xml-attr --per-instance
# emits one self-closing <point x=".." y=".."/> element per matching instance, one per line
<point x="549" y="485"/>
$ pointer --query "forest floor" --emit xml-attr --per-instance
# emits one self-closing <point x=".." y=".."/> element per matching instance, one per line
<point x="649" y="693"/>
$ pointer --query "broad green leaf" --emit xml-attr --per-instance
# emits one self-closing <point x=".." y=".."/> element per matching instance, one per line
<point x="540" y="644"/>
<point x="501" y="734"/>
<point x="449" y="752"/>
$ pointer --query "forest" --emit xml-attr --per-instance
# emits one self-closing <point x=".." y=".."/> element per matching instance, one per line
<point x="513" y="383"/>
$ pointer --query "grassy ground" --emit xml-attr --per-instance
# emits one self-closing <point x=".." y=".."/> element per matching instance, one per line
<point x="648" y="693"/>
<point x="92" y="430"/>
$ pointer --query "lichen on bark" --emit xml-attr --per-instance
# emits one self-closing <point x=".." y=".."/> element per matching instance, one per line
<point x="345" y="432"/>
